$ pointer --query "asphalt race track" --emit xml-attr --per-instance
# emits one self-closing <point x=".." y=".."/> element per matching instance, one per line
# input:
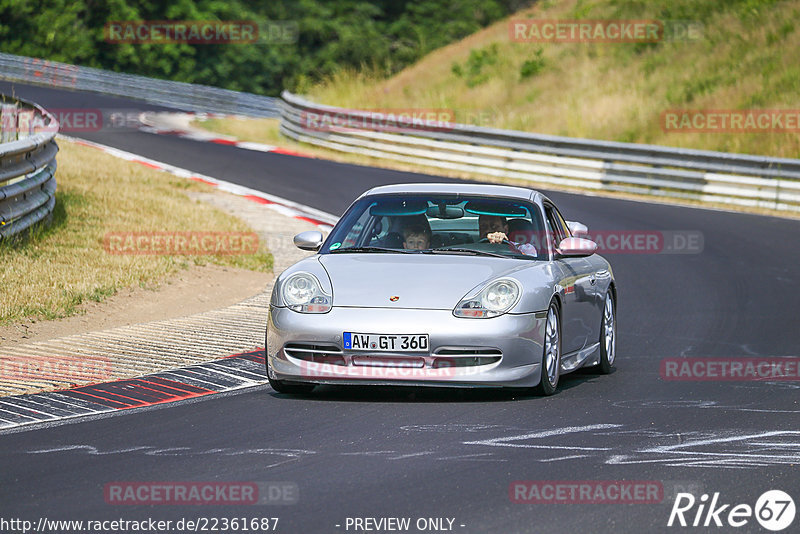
<point x="430" y="453"/>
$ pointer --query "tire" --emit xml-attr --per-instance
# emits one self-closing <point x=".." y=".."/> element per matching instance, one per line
<point x="281" y="386"/>
<point x="551" y="353"/>
<point x="608" y="335"/>
<point x="288" y="388"/>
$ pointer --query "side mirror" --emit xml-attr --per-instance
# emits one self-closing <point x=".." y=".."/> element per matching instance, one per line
<point x="310" y="240"/>
<point x="576" y="247"/>
<point x="578" y="229"/>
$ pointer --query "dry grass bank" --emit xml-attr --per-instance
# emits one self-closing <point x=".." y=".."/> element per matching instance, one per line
<point x="747" y="58"/>
<point x="66" y="264"/>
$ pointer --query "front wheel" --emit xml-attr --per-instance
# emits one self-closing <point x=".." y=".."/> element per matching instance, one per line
<point x="551" y="356"/>
<point x="289" y="388"/>
<point x="608" y="336"/>
<point x="281" y="386"/>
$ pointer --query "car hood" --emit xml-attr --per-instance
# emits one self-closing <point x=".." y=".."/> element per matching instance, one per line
<point x="422" y="281"/>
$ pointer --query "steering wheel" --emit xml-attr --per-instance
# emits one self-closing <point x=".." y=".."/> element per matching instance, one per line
<point x="503" y="242"/>
<point x="486" y="240"/>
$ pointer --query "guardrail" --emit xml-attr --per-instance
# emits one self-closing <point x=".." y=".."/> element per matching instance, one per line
<point x="179" y="95"/>
<point x="27" y="166"/>
<point x="707" y="176"/>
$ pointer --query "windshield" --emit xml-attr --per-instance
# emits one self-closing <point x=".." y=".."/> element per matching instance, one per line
<point x="440" y="224"/>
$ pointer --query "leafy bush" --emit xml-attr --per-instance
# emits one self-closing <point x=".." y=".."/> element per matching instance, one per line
<point x="472" y="70"/>
<point x="532" y="67"/>
<point x="382" y="35"/>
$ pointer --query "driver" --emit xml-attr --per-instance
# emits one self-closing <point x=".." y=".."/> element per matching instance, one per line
<point x="495" y="229"/>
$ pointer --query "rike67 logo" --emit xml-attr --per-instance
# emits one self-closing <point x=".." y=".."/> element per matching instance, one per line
<point x="774" y="510"/>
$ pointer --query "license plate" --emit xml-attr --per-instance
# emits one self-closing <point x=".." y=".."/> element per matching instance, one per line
<point x="386" y="342"/>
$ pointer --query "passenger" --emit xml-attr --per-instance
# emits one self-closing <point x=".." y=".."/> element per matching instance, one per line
<point x="495" y="229"/>
<point x="417" y="237"/>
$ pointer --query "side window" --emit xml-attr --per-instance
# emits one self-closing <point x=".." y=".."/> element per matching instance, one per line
<point x="561" y="223"/>
<point x="356" y="231"/>
<point x="556" y="224"/>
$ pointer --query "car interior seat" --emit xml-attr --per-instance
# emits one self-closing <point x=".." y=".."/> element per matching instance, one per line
<point x="392" y="240"/>
<point x="521" y="231"/>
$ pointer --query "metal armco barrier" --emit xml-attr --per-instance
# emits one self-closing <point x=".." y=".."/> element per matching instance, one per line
<point x="27" y="166"/>
<point x="179" y="95"/>
<point x="707" y="176"/>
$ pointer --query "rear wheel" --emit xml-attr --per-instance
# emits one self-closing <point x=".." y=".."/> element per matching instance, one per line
<point x="551" y="356"/>
<point x="608" y="336"/>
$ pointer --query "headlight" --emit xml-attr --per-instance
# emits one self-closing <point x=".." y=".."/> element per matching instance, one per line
<point x="496" y="298"/>
<point x="303" y="293"/>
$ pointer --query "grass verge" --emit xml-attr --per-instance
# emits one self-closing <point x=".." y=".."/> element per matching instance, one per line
<point x="50" y="274"/>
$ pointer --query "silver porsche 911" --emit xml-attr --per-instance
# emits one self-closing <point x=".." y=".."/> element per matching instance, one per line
<point x="443" y="285"/>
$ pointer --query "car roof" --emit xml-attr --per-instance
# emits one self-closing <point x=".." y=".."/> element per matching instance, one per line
<point x="486" y="190"/>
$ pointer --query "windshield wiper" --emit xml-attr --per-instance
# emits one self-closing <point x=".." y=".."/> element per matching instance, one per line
<point x="470" y="251"/>
<point x="371" y="249"/>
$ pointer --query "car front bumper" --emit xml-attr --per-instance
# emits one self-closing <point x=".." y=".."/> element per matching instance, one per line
<point x="504" y="351"/>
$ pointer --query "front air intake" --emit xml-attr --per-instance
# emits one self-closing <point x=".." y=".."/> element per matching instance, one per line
<point x="465" y="357"/>
<point x="330" y="354"/>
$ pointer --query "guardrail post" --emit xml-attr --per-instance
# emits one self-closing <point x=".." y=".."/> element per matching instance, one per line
<point x="8" y="123"/>
<point x="24" y="124"/>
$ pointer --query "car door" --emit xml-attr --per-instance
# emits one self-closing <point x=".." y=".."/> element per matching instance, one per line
<point x="578" y="307"/>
